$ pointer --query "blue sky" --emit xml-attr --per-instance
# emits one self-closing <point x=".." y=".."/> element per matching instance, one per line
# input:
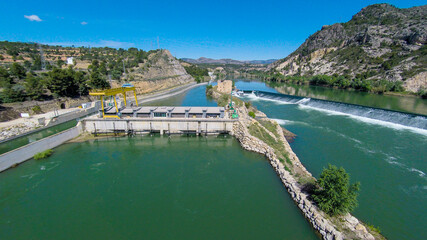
<point x="243" y="30"/>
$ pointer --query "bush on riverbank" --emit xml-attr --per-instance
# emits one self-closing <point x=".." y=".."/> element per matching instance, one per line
<point x="43" y="154"/>
<point x="333" y="192"/>
<point x="361" y="82"/>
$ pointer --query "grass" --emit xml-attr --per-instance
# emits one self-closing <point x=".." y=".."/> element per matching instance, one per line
<point x="44" y="154"/>
<point x="257" y="131"/>
<point x="270" y="127"/>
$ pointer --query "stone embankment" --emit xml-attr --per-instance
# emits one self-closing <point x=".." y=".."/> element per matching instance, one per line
<point x="16" y="130"/>
<point x="343" y="227"/>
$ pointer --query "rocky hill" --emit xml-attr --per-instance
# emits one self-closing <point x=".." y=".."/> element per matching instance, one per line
<point x="159" y="71"/>
<point x="381" y="42"/>
<point x="204" y="60"/>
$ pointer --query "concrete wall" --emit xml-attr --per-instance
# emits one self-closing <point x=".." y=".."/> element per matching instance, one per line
<point x="172" y="125"/>
<point x="74" y="115"/>
<point x="26" y="152"/>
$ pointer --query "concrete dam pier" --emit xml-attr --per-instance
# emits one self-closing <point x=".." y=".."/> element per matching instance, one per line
<point x="163" y="120"/>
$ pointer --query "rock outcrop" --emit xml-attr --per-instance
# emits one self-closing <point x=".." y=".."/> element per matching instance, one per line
<point x="160" y="71"/>
<point x="380" y="42"/>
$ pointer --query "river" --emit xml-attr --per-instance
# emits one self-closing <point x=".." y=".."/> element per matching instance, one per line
<point x="198" y="187"/>
<point x="389" y="159"/>
<point x="149" y="187"/>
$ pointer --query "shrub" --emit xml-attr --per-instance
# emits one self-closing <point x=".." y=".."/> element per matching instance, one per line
<point x="373" y="228"/>
<point x="333" y="193"/>
<point x="252" y="114"/>
<point x="36" y="109"/>
<point x="248" y="105"/>
<point x="422" y="92"/>
<point x="43" y="154"/>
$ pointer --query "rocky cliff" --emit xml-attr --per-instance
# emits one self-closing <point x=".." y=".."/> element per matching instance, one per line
<point x="160" y="71"/>
<point x="380" y="42"/>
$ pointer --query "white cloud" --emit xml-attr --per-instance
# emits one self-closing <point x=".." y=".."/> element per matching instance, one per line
<point x="33" y="18"/>
<point x="83" y="23"/>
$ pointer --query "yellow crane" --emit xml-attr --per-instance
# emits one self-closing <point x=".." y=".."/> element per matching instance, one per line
<point x="113" y="92"/>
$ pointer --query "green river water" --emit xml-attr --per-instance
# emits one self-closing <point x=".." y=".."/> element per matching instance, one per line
<point x="389" y="160"/>
<point x="153" y="187"/>
<point x="148" y="188"/>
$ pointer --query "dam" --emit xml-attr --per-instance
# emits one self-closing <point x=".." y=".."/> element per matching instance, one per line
<point x="163" y="120"/>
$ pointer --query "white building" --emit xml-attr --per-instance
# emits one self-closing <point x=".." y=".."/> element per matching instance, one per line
<point x="70" y="61"/>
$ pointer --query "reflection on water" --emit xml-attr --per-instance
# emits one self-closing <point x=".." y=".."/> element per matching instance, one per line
<point x="408" y="104"/>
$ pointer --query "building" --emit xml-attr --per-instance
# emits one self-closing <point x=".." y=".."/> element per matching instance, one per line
<point x="70" y="61"/>
<point x="166" y="112"/>
<point x="225" y="86"/>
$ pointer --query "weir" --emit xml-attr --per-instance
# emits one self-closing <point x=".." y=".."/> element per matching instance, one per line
<point x="395" y="117"/>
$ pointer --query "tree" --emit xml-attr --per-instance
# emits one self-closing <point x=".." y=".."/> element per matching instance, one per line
<point x="60" y="62"/>
<point x="27" y="64"/>
<point x="17" y="70"/>
<point x="12" y="93"/>
<point x="37" y="63"/>
<point x="80" y="80"/>
<point x="34" y="87"/>
<point x="4" y="77"/>
<point x="333" y="193"/>
<point x="62" y="82"/>
<point x="97" y="81"/>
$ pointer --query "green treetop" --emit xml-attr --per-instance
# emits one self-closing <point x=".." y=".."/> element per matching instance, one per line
<point x="334" y="194"/>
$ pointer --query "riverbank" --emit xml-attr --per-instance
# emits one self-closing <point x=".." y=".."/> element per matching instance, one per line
<point x="167" y="93"/>
<point x="266" y="137"/>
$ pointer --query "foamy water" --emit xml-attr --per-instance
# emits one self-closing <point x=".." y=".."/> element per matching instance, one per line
<point x="303" y="105"/>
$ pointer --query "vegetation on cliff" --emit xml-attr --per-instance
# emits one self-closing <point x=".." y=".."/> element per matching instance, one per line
<point x="30" y="71"/>
<point x="198" y="73"/>
<point x="26" y="76"/>
<point x="360" y="82"/>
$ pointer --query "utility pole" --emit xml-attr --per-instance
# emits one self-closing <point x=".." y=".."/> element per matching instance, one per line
<point x="42" y="57"/>
<point x="124" y="70"/>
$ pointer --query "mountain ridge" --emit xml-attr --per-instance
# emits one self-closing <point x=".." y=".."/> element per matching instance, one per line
<point x="380" y="42"/>
<point x="204" y="60"/>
